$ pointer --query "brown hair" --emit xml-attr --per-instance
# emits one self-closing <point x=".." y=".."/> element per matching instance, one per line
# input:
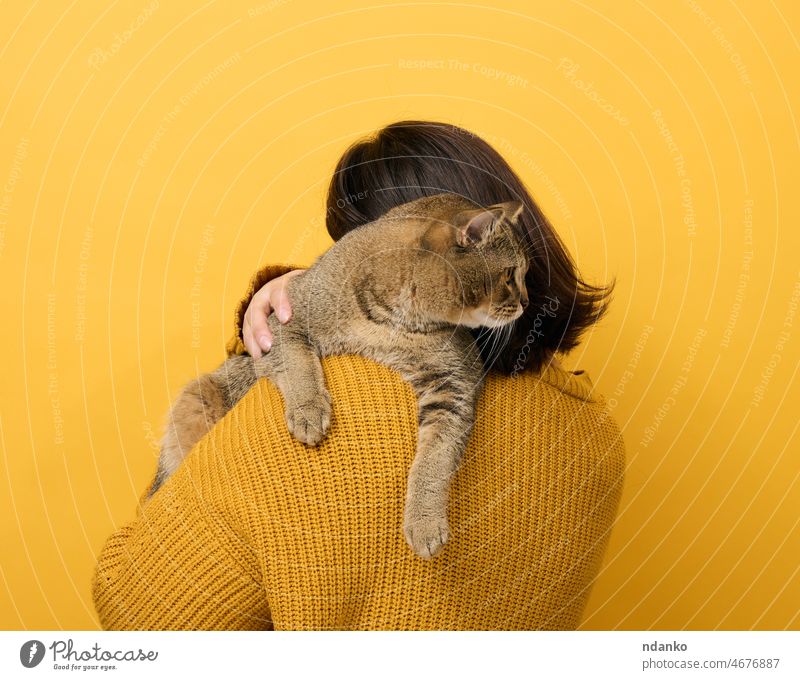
<point x="411" y="159"/>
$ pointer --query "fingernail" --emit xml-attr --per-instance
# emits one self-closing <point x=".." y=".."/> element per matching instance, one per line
<point x="283" y="315"/>
<point x="265" y="343"/>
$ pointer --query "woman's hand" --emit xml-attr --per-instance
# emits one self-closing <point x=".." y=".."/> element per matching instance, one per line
<point x="270" y="298"/>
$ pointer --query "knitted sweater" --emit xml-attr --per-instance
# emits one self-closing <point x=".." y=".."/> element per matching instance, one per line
<point x="257" y="531"/>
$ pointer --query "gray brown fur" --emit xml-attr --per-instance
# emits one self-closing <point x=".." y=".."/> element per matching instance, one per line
<point x="402" y="291"/>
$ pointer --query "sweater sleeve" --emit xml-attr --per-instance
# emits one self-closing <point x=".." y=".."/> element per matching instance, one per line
<point x="179" y="566"/>
<point x="271" y="271"/>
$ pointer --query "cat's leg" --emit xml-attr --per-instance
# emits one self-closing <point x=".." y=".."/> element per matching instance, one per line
<point x="447" y="392"/>
<point x="195" y="411"/>
<point x="294" y="366"/>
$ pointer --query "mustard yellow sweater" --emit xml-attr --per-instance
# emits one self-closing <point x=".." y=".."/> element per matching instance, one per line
<point x="256" y="531"/>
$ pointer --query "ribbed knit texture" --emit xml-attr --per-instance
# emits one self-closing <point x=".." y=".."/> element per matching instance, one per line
<point x="255" y="530"/>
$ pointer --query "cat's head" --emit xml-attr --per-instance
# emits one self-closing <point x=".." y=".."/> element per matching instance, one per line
<point x="483" y="254"/>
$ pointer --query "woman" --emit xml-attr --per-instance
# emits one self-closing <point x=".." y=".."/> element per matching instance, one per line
<point x="255" y="531"/>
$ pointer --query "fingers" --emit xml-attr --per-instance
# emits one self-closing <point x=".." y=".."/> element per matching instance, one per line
<point x="280" y="299"/>
<point x="250" y="342"/>
<point x="281" y="304"/>
<point x="255" y="331"/>
<point x="273" y="297"/>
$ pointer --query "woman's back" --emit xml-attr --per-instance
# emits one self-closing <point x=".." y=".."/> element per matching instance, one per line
<point x="256" y="530"/>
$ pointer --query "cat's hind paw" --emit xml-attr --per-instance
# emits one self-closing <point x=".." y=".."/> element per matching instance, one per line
<point x="426" y="536"/>
<point x="310" y="422"/>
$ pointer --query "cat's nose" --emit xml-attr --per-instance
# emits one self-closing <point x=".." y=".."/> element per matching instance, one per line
<point x="524" y="302"/>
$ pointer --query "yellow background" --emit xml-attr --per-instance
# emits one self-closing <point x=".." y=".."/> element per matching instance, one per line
<point x="149" y="165"/>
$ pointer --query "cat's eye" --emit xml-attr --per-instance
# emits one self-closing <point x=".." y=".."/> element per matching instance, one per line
<point x="509" y="274"/>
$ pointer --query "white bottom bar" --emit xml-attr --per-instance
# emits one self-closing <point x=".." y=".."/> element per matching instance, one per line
<point x="402" y="655"/>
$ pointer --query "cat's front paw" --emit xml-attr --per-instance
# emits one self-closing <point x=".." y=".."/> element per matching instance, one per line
<point x="426" y="535"/>
<point x="309" y="423"/>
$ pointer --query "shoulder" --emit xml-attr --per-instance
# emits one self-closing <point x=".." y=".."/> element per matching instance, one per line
<point x="552" y="385"/>
<point x="557" y="406"/>
<point x="520" y="422"/>
<point x="374" y="408"/>
<point x="360" y="386"/>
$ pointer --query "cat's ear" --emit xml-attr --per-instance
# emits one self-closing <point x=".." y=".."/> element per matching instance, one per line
<point x="475" y="227"/>
<point x="511" y="210"/>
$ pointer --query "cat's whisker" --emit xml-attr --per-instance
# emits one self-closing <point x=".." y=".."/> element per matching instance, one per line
<point x="499" y="339"/>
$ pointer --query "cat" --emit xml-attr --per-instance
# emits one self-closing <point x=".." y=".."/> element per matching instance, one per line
<point x="402" y="290"/>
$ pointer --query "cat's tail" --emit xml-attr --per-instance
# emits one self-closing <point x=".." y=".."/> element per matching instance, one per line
<point x="198" y="407"/>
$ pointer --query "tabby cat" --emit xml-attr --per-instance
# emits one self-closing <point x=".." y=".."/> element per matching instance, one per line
<point x="401" y="290"/>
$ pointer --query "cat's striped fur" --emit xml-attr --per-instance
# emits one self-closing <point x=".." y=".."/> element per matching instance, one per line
<point x="401" y="290"/>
